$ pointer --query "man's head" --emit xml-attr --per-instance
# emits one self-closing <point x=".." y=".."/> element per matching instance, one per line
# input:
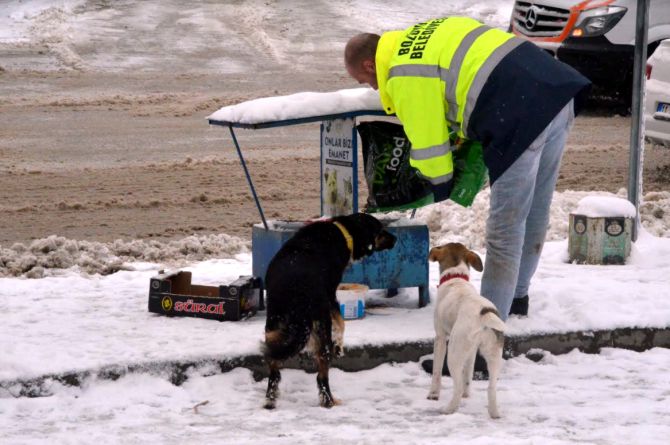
<point x="359" y="58"/>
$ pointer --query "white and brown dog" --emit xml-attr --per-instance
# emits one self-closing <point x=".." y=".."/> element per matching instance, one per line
<point x="469" y="322"/>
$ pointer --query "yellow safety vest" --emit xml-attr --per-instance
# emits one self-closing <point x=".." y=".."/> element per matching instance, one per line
<point x="430" y="75"/>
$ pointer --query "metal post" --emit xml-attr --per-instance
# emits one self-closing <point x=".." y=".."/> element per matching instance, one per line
<point x="354" y="165"/>
<point x="246" y="172"/>
<point x="637" y="111"/>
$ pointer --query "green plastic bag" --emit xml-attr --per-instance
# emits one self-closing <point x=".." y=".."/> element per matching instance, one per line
<point x="470" y="172"/>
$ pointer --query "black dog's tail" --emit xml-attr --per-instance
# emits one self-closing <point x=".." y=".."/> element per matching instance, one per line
<point x="286" y="340"/>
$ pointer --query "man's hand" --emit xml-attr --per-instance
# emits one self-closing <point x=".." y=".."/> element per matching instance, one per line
<point x="441" y="191"/>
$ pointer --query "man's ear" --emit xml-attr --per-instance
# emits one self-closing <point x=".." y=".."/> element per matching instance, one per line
<point x="369" y="66"/>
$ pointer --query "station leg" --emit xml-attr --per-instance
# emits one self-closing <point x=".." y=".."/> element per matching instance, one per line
<point x="424" y="296"/>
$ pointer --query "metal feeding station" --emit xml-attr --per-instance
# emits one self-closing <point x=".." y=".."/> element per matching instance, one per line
<point x="406" y="265"/>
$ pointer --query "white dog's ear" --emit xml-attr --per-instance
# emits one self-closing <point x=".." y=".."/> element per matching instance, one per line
<point x="474" y="261"/>
<point x="434" y="254"/>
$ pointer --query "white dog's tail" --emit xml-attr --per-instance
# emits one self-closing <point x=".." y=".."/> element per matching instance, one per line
<point x="491" y="319"/>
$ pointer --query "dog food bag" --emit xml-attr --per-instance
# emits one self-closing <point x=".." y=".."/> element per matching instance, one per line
<point x="392" y="183"/>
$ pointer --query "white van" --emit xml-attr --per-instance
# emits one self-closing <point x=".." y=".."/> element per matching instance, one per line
<point x="657" y="112"/>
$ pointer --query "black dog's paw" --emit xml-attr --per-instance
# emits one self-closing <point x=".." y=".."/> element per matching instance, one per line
<point x="328" y="401"/>
<point x="338" y="350"/>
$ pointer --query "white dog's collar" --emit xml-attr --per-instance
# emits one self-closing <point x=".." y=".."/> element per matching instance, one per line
<point x="451" y="276"/>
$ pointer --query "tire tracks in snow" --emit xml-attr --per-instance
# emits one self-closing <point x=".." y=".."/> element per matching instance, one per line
<point x="50" y="30"/>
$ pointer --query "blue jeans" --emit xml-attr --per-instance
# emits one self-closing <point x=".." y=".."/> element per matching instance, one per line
<point x="519" y="215"/>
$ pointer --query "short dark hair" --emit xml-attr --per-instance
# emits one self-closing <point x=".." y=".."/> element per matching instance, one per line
<point x="361" y="47"/>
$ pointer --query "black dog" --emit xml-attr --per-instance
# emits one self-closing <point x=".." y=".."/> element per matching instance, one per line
<point x="301" y="281"/>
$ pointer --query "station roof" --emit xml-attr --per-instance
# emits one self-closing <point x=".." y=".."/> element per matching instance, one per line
<point x="299" y="108"/>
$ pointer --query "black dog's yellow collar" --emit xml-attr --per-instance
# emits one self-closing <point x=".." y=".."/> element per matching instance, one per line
<point x="347" y="236"/>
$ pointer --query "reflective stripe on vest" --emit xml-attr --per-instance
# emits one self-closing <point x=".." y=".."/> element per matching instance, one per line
<point x="440" y="179"/>
<point x="482" y="76"/>
<point x="431" y="152"/>
<point x="436" y="169"/>
<point x="452" y="74"/>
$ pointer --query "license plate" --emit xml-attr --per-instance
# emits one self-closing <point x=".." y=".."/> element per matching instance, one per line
<point x="663" y="108"/>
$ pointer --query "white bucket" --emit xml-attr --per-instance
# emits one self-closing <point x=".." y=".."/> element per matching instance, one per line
<point x="351" y="297"/>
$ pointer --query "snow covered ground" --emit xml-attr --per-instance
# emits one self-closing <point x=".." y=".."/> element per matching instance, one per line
<point x="68" y="317"/>
<point x="70" y="320"/>
<point x="75" y="321"/>
<point x="616" y="397"/>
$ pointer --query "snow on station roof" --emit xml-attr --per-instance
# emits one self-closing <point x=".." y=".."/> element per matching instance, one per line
<point x="299" y="108"/>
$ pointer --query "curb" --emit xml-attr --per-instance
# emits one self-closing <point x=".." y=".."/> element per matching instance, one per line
<point x="356" y="358"/>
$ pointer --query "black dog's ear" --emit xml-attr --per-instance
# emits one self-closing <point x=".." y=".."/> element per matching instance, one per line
<point x="364" y="230"/>
<point x="384" y="241"/>
<point x="473" y="260"/>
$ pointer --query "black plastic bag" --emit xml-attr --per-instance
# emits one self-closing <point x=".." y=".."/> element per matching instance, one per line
<point x="392" y="183"/>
